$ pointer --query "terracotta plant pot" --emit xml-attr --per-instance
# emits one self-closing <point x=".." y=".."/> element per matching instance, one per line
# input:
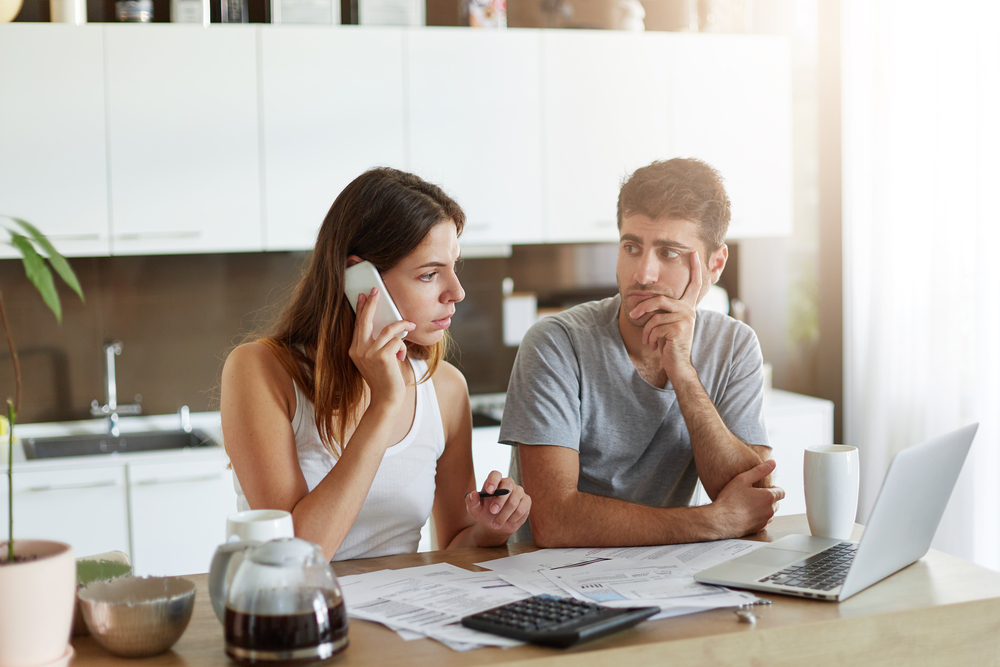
<point x="36" y="603"/>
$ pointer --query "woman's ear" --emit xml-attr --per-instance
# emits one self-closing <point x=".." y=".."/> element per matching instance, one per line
<point x="352" y="260"/>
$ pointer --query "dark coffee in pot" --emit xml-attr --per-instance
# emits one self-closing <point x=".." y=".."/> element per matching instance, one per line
<point x="286" y="639"/>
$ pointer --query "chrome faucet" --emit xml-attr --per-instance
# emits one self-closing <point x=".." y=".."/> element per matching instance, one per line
<point x="111" y="409"/>
<point x="185" y="414"/>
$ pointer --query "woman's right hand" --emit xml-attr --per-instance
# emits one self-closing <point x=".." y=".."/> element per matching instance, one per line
<point x="378" y="359"/>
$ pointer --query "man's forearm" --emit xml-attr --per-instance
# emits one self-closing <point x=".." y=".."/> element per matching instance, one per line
<point x="587" y="520"/>
<point x="718" y="454"/>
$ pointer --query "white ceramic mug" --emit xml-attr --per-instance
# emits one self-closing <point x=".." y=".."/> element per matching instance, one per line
<point x="832" y="476"/>
<point x="68" y="11"/>
<point x="259" y="526"/>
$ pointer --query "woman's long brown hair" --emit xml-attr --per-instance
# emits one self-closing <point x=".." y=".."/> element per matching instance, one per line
<point x="382" y="216"/>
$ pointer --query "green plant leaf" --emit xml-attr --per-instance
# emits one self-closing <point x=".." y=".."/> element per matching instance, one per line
<point x="89" y="571"/>
<point x="39" y="274"/>
<point x="57" y="261"/>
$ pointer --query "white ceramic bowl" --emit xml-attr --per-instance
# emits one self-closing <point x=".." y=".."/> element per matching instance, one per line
<point x="136" y="617"/>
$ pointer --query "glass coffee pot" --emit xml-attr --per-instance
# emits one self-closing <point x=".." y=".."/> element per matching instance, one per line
<point x="283" y="606"/>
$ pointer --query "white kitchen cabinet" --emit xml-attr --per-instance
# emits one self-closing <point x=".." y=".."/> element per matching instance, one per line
<point x="333" y="106"/>
<point x="183" y="139"/>
<point x="607" y="110"/>
<point x="166" y="509"/>
<point x="488" y="454"/>
<point x="178" y="514"/>
<point x="84" y="507"/>
<point x="732" y="107"/>
<point x="186" y="139"/>
<point x="53" y="169"/>
<point x="475" y="126"/>
<point x="795" y="422"/>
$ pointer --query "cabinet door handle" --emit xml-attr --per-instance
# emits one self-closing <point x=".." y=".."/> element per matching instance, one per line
<point x="138" y="236"/>
<point x="71" y="487"/>
<point x="74" y="237"/>
<point x="180" y="480"/>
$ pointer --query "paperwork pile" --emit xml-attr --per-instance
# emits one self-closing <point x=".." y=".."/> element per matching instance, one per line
<point x="430" y="601"/>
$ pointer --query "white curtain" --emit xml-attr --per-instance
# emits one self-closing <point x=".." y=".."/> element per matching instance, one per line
<point x="921" y="170"/>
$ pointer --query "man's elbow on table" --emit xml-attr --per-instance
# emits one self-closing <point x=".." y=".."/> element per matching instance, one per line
<point x="544" y="531"/>
<point x="549" y="529"/>
<point x="550" y="475"/>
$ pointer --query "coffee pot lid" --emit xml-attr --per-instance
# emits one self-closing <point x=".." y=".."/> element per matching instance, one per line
<point x="284" y="551"/>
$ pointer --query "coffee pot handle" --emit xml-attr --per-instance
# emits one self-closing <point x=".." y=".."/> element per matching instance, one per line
<point x="225" y="562"/>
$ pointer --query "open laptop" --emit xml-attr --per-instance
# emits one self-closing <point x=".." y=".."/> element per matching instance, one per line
<point x="906" y="516"/>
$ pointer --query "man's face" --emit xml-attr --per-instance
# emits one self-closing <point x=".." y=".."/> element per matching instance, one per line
<point x="654" y="259"/>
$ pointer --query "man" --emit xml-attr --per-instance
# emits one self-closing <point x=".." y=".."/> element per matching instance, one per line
<point x="617" y="407"/>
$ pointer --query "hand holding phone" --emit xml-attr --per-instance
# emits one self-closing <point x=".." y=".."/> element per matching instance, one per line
<point x="360" y="279"/>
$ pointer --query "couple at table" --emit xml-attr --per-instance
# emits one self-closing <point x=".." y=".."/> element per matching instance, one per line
<point x="615" y="408"/>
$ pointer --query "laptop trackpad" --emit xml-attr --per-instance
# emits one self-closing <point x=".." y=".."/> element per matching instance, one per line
<point x="773" y="557"/>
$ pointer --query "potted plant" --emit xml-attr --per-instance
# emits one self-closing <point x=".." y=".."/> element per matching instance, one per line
<point x="37" y="577"/>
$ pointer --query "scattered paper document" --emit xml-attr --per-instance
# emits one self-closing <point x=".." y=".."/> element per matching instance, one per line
<point x="630" y="583"/>
<point x="619" y="583"/>
<point x="698" y="555"/>
<point x="535" y="583"/>
<point x="431" y="600"/>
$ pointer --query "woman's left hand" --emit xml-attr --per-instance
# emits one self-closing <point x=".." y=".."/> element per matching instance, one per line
<point x="498" y="517"/>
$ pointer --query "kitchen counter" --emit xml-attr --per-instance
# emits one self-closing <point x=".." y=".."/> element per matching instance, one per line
<point x="209" y="422"/>
<point x="166" y="509"/>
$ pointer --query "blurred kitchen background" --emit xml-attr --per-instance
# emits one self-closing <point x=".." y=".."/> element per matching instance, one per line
<point x="184" y="170"/>
<point x="178" y="315"/>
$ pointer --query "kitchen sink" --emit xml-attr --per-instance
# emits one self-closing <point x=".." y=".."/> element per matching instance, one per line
<point x="96" y="444"/>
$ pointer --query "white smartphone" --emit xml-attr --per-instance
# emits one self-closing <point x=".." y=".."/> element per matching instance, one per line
<point x="360" y="279"/>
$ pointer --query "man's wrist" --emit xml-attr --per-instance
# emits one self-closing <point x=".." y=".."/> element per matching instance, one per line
<point x="682" y="375"/>
<point x="708" y="523"/>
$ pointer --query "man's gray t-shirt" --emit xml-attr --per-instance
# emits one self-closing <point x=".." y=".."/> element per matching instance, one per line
<point x="573" y="385"/>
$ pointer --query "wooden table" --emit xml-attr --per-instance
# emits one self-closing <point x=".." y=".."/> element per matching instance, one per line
<point x="940" y="610"/>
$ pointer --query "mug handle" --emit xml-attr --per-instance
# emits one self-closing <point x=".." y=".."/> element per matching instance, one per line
<point x="225" y="562"/>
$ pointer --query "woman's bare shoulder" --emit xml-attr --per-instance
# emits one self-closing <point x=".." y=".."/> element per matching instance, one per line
<point x="453" y="397"/>
<point x="254" y="357"/>
<point x="448" y="380"/>
<point x="251" y="352"/>
<point x="254" y="365"/>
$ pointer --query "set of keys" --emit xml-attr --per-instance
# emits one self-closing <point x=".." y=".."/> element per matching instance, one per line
<point x="745" y="614"/>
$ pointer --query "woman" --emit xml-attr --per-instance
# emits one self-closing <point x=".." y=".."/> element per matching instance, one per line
<point x="362" y="439"/>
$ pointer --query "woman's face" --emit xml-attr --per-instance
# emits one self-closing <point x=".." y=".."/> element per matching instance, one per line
<point x="424" y="285"/>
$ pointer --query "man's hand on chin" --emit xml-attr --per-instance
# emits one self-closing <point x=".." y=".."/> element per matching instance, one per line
<point x="670" y="329"/>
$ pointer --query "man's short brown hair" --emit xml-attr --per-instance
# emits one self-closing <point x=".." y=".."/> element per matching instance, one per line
<point x="683" y="189"/>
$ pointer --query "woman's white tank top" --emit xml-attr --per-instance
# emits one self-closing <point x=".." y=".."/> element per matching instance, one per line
<point x="402" y="493"/>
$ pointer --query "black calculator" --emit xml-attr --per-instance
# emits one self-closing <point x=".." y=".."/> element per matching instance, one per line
<point x="553" y="621"/>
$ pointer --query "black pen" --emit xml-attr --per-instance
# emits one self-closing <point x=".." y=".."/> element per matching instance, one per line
<point x="498" y="492"/>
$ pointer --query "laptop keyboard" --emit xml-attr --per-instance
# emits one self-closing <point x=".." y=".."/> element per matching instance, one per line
<point x="823" y="571"/>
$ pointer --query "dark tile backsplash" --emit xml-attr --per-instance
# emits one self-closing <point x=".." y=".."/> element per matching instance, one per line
<point x="178" y="316"/>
